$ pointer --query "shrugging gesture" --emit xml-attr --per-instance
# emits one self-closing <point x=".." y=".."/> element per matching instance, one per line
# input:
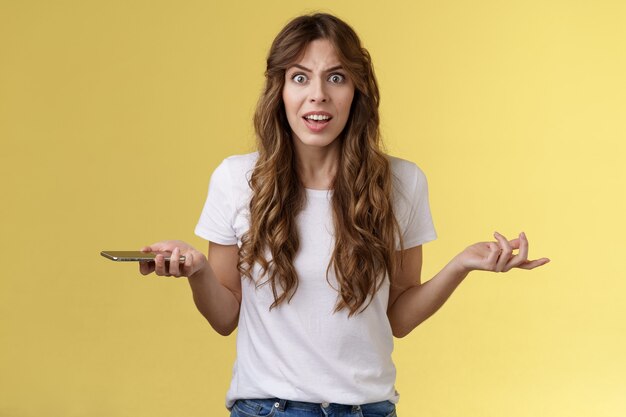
<point x="411" y="301"/>
<point x="498" y="256"/>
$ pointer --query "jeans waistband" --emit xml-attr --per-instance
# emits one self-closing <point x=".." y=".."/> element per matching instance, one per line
<point x="302" y="405"/>
<point x="279" y="404"/>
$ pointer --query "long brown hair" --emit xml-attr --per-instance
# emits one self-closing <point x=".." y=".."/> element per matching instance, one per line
<point x="365" y="226"/>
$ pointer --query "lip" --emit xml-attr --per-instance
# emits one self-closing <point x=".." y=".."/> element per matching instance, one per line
<point x="320" y="113"/>
<point x="316" y="127"/>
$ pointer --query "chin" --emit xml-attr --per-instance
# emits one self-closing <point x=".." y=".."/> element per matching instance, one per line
<point x="319" y="141"/>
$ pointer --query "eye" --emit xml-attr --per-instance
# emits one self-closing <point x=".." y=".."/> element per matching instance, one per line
<point x="299" y="78"/>
<point x="337" y="78"/>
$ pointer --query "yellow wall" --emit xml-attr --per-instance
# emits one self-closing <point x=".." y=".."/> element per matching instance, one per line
<point x="113" y="114"/>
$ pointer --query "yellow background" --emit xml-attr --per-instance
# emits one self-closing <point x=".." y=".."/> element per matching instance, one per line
<point x="113" y="114"/>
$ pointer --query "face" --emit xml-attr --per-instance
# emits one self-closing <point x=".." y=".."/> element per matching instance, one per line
<point x="317" y="96"/>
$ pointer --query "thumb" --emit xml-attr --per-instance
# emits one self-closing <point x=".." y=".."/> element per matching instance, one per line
<point x="157" y="247"/>
<point x="492" y="258"/>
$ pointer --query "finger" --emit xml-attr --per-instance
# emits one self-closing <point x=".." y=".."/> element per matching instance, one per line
<point x="174" y="262"/>
<point x="505" y="256"/>
<point x="146" y="249"/>
<point x="146" y="268"/>
<point x="159" y="265"/>
<point x="522" y="256"/>
<point x="188" y="263"/>
<point x="534" y="264"/>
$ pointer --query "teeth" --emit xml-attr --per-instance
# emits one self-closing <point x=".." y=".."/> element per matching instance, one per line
<point x="317" y="117"/>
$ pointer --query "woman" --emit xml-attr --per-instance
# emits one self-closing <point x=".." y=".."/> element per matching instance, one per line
<point x="315" y="240"/>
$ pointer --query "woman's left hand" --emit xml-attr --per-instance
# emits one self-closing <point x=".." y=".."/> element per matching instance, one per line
<point x="498" y="256"/>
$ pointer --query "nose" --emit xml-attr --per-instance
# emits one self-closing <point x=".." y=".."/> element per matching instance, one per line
<point x="318" y="92"/>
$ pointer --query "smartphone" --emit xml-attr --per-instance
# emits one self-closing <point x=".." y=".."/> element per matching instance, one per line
<point x="136" y="256"/>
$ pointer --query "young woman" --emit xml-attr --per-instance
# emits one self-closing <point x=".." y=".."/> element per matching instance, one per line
<point x="315" y="239"/>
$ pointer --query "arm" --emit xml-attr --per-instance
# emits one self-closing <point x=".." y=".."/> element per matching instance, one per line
<point x="217" y="288"/>
<point x="411" y="302"/>
<point x="215" y="282"/>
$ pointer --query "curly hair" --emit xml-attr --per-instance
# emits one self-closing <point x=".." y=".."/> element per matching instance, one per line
<point x="365" y="227"/>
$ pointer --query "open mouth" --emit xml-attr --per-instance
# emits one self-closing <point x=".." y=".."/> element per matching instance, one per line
<point x="316" y="121"/>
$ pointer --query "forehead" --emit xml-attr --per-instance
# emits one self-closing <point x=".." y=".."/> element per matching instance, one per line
<point x="318" y="53"/>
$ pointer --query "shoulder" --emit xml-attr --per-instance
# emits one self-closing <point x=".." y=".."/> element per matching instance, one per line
<point x="244" y="162"/>
<point x="411" y="205"/>
<point x="407" y="176"/>
<point x="236" y="168"/>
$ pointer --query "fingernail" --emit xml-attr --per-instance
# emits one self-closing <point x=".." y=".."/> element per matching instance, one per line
<point x="523" y="235"/>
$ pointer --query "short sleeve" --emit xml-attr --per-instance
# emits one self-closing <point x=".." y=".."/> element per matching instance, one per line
<point x="217" y="217"/>
<point x="413" y="208"/>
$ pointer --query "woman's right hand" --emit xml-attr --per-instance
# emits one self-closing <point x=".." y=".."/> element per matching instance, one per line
<point x="194" y="259"/>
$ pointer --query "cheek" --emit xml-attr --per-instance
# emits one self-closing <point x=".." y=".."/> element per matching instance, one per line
<point x="286" y="101"/>
<point x="346" y="103"/>
<point x="290" y="102"/>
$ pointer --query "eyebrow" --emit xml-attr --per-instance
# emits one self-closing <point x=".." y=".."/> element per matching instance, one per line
<point x="337" y="67"/>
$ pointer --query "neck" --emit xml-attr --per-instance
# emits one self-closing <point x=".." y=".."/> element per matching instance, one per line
<point x="317" y="166"/>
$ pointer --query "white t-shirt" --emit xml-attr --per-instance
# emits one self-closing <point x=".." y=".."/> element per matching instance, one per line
<point x="302" y="351"/>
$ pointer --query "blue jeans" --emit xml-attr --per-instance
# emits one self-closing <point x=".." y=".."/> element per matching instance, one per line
<point x="282" y="408"/>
